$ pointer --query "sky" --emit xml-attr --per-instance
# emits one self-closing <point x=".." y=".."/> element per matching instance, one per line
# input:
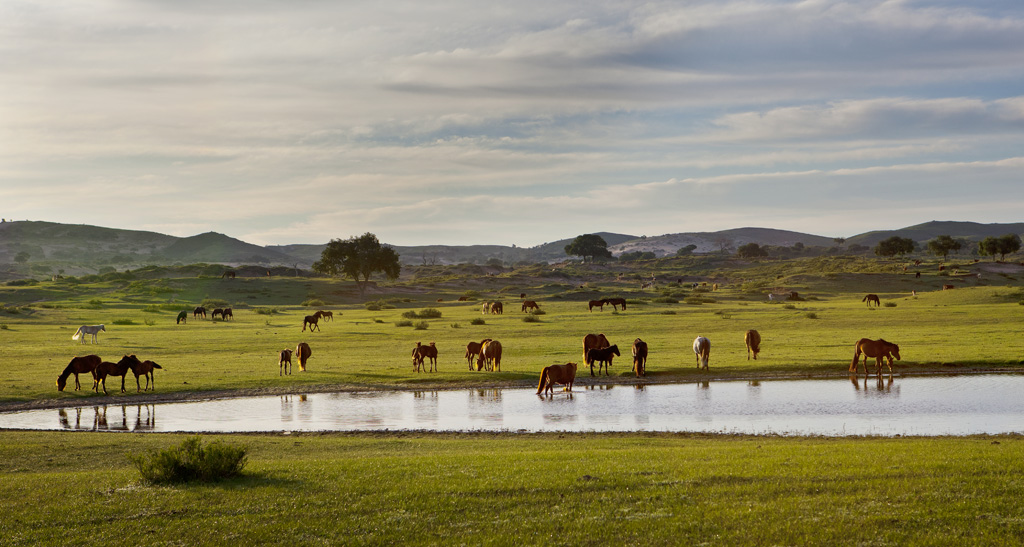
<point x="469" y="122"/>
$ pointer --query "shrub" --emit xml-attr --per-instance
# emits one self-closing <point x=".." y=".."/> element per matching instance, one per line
<point x="123" y="322"/>
<point x="313" y="303"/>
<point x="93" y="304"/>
<point x="668" y="312"/>
<point x="456" y="326"/>
<point x="378" y="320"/>
<point x="429" y="313"/>
<point x="538" y="312"/>
<point x="214" y="303"/>
<point x="372" y="306"/>
<point x="890" y="304"/>
<point x="479" y="321"/>
<point x="403" y="323"/>
<point x="190" y="461"/>
<point x="149" y="322"/>
<point x="665" y="300"/>
<point x="531" y="319"/>
<point x="789" y="307"/>
<point x="3" y="326"/>
<point x="422" y="325"/>
<point x="151" y="309"/>
<point x="266" y="311"/>
<point x="22" y="282"/>
<point x="811" y="315"/>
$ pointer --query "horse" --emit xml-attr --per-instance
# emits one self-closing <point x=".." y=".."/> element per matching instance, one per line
<point x="917" y="275"/>
<point x="227" y="313"/>
<point x="284" y="362"/>
<point x="78" y="365"/>
<point x="522" y="295"/>
<point x="702" y="348"/>
<point x="752" y="339"/>
<point x="879" y="349"/>
<point x="616" y="302"/>
<point x="639" y="357"/>
<point x="596" y="304"/>
<point x="141" y="368"/>
<point x="647" y="285"/>
<point x="88" y="329"/>
<point x="530" y="305"/>
<point x="229" y="274"/>
<point x="182" y="316"/>
<point x="303" y="352"/>
<point x="497" y="308"/>
<point x="603" y="356"/>
<point x="216" y="312"/>
<point x="420" y="353"/>
<point x="872" y="298"/>
<point x="557" y="374"/>
<point x="199" y="311"/>
<point x="490" y="355"/>
<point x="472" y="349"/>
<point x="485" y="308"/>
<point x="594" y="341"/>
<point x="463" y="299"/>
<point x="328" y="315"/>
<point x="312" y="321"/>
<point x="106" y="368"/>
<point x="948" y="287"/>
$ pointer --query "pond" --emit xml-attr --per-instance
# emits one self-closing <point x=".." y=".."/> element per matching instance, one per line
<point x="941" y="405"/>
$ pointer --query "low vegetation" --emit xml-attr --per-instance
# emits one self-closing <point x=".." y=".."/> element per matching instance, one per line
<point x="190" y="460"/>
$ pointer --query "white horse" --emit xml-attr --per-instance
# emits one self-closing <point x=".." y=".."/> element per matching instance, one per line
<point x="702" y="347"/>
<point x="88" y="329"/>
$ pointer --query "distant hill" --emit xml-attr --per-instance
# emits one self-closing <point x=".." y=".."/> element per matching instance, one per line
<point x="219" y="248"/>
<point x="50" y="241"/>
<point x="711" y="242"/>
<point x="930" y="230"/>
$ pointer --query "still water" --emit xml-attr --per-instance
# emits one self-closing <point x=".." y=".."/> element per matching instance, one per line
<point x="945" y="405"/>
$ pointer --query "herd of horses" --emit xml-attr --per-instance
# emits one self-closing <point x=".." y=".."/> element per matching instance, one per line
<point x="100" y="369"/>
<point x="302" y="353"/>
<point x="313" y="321"/>
<point x="613" y="302"/>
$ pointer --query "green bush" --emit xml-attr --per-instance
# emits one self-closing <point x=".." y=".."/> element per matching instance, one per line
<point x="531" y="319"/>
<point x="429" y="313"/>
<point x="123" y="322"/>
<point x="313" y="303"/>
<point x="811" y="315"/>
<point x="668" y="312"/>
<point x="3" y="326"/>
<point x="890" y="304"/>
<point x="22" y="282"/>
<point x="789" y="307"/>
<point x="190" y="461"/>
<point x="422" y="325"/>
<point x="665" y="300"/>
<point x="372" y="306"/>
<point x="403" y="323"/>
<point x="151" y="309"/>
<point x="266" y="311"/>
<point x="214" y="303"/>
<point x="479" y="321"/>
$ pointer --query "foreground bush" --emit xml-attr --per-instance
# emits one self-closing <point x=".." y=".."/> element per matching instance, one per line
<point x="190" y="461"/>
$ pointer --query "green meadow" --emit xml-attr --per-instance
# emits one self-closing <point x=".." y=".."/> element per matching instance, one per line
<point x="79" y="488"/>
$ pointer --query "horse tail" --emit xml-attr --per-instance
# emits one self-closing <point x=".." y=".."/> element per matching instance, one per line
<point x="865" y="299"/>
<point x="157" y="366"/>
<point x="856" y="358"/>
<point x="78" y="334"/>
<point x="544" y="374"/>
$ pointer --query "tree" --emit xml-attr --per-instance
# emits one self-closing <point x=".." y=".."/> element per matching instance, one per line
<point x="358" y="258"/>
<point x="1002" y="246"/>
<point x="750" y="250"/>
<point x="591" y="245"/>
<point x="839" y="240"/>
<point x="22" y="257"/>
<point x="895" y="245"/>
<point x="724" y="244"/>
<point x="942" y="245"/>
<point x="688" y="250"/>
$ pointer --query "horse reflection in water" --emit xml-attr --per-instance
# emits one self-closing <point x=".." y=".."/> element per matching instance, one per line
<point x="295" y="406"/>
<point x="883" y="384"/>
<point x="486" y="405"/>
<point x="424" y="406"/>
<point x="144" y="419"/>
<point x="600" y="387"/>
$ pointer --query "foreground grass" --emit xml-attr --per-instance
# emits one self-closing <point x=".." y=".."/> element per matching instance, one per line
<point x="561" y="489"/>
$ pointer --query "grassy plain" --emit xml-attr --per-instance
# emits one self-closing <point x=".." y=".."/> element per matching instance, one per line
<point x="78" y="488"/>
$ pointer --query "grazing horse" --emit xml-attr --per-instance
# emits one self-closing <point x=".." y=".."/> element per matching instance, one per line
<point x="216" y="312"/>
<point x="229" y="274"/>
<point x="948" y="287"/>
<point x="227" y="313"/>
<point x="313" y="322"/>
<point x="485" y="308"/>
<point x="141" y="368"/>
<point x="303" y="352"/>
<point x="284" y="362"/>
<point x="490" y="356"/>
<point x="106" y="368"/>
<point x="328" y="315"/>
<point x="594" y="341"/>
<point x="879" y="349"/>
<point x="88" y="329"/>
<point x="603" y="356"/>
<point x="497" y="308"/>
<point x="420" y="353"/>
<point x="472" y="349"/>
<point x="182" y="316"/>
<point x="616" y="302"/>
<point x="463" y="299"/>
<point x="199" y="312"/>
<point x="639" y="357"/>
<point x="872" y="298"/>
<point x="596" y="304"/>
<point x="530" y="305"/>
<point x="557" y="374"/>
<point x="702" y="348"/>
<point x="752" y="339"/>
<point x="78" y="365"/>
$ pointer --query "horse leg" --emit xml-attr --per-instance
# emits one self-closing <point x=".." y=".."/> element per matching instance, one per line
<point x="138" y="387"/>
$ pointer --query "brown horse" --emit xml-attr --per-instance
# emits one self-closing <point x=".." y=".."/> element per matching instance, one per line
<point x="199" y="312"/>
<point x="557" y="374"/>
<point x="78" y="365"/>
<point x="141" y="368"/>
<point x="603" y="357"/>
<point x="872" y="298"/>
<point x="420" y="353"/>
<point x="497" y="308"/>
<point x="472" y="349"/>
<point x="594" y="341"/>
<point x="463" y="299"/>
<point x="284" y="362"/>
<point x="530" y="305"/>
<point x="303" y="352"/>
<point x="616" y="302"/>
<point x="879" y="349"/>
<point x="490" y="356"/>
<point x="106" y="368"/>
<point x="702" y="349"/>
<point x="327" y="315"/>
<point x="599" y="304"/>
<point x="948" y="287"/>
<point x="182" y="316"/>
<point x="313" y="322"/>
<point x="216" y="312"/>
<point x="639" y="357"/>
<point x="229" y="274"/>
<point x="753" y="340"/>
<point x="227" y="313"/>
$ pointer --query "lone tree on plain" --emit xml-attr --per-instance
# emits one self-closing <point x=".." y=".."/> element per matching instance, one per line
<point x="1002" y="246"/>
<point x="591" y="245"/>
<point x="895" y="245"/>
<point x="942" y="245"/>
<point x="358" y="258"/>
<point x="686" y="251"/>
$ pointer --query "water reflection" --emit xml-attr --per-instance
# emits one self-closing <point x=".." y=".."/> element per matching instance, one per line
<point x="866" y="405"/>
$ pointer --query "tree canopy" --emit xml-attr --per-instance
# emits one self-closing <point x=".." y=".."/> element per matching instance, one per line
<point x="688" y="250"/>
<point x="895" y="245"/>
<point x="591" y="245"/>
<point x="1002" y="246"/>
<point x="942" y="245"/>
<point x="358" y="258"/>
<point x="750" y="250"/>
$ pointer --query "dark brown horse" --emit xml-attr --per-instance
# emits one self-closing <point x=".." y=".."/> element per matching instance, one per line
<point x="229" y="274"/>
<point x="603" y="357"/>
<point x="284" y="363"/>
<point x="497" y="308"/>
<point x="753" y="340"/>
<point x="327" y="315"/>
<point x="599" y="304"/>
<point x="199" y="312"/>
<point x="216" y="312"/>
<point x="592" y="341"/>
<point x="312" y="321"/>
<point x="530" y="305"/>
<point x="182" y="316"/>
<point x="106" y="368"/>
<point x="616" y="302"/>
<point x="302" y="352"/>
<point x="78" y="365"/>
<point x="141" y="368"/>
<point x="421" y="353"/>
<point x="472" y="349"/>
<point x="557" y="374"/>
<point x="879" y="349"/>
<point x="639" y="357"/>
<point x="872" y="298"/>
<point x="227" y="313"/>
